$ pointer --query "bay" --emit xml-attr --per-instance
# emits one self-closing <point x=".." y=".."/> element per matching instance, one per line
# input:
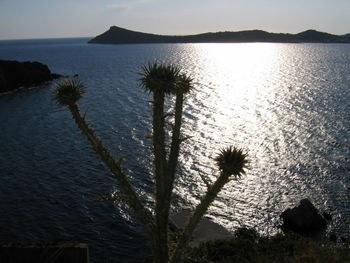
<point x="287" y="105"/>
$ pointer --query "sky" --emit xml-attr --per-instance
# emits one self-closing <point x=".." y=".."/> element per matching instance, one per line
<point x="21" y="19"/>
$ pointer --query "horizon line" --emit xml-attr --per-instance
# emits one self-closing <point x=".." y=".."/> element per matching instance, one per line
<point x="42" y="38"/>
<point x="67" y="37"/>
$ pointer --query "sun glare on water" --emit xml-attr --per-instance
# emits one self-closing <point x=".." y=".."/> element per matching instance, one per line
<point x="234" y="93"/>
<point x="271" y="100"/>
<point x="234" y="80"/>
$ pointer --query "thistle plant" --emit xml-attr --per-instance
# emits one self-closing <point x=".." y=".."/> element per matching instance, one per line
<point x="162" y="81"/>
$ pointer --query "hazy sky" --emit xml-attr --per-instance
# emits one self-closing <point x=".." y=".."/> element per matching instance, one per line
<point x="74" y="18"/>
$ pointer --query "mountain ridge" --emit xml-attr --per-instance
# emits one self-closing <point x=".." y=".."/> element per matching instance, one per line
<point x="118" y="35"/>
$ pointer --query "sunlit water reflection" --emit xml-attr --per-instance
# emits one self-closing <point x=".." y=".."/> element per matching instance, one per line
<point x="286" y="107"/>
<point x="286" y="104"/>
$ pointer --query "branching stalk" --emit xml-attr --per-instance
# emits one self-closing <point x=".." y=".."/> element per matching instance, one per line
<point x="161" y="80"/>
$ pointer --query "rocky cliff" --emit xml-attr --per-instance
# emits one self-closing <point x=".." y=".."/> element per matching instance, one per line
<point x="14" y="74"/>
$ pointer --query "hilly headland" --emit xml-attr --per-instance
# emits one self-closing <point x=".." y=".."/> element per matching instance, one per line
<point x="118" y="35"/>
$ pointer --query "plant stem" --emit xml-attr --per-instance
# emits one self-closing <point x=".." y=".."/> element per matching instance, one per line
<point x="174" y="151"/>
<point x="160" y="177"/>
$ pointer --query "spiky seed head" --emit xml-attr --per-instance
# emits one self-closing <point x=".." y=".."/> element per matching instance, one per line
<point x="159" y="77"/>
<point x="69" y="91"/>
<point x="184" y="84"/>
<point x="232" y="161"/>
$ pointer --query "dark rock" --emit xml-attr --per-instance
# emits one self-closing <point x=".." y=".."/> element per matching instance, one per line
<point x="344" y="239"/>
<point x="14" y="74"/>
<point x="303" y="219"/>
<point x="333" y="237"/>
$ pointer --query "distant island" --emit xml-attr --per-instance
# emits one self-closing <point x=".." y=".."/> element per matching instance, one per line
<point x="118" y="35"/>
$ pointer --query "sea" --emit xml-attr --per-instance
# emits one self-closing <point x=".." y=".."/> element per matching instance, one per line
<point x="286" y="105"/>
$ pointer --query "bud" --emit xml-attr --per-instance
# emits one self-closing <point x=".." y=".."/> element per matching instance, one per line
<point x="69" y="91"/>
<point x="232" y="161"/>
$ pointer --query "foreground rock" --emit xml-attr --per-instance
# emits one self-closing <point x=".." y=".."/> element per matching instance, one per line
<point x="14" y="74"/>
<point x="303" y="219"/>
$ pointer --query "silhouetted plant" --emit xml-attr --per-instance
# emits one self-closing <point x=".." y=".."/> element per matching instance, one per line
<point x="69" y="92"/>
<point x="161" y="80"/>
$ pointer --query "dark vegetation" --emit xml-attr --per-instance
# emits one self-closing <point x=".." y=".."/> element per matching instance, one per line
<point x="248" y="247"/>
<point x="62" y="252"/>
<point x="14" y="74"/>
<point x="117" y="35"/>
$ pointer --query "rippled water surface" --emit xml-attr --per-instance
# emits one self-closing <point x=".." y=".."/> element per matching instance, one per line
<point x="286" y="104"/>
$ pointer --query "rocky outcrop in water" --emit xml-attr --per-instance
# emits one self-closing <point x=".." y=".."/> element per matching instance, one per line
<point x="303" y="219"/>
<point x="14" y="74"/>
